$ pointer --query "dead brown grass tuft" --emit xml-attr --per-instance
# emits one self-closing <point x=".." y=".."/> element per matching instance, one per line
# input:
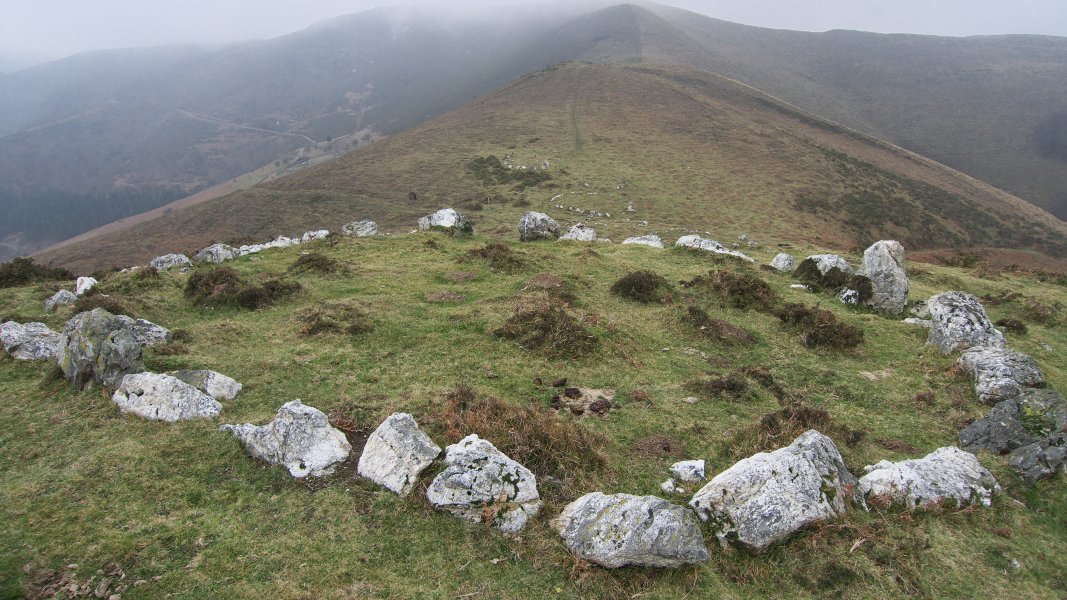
<point x="820" y="328"/>
<point x="499" y="256"/>
<point x="641" y="286"/>
<point x="548" y="328"/>
<point x="333" y="317"/>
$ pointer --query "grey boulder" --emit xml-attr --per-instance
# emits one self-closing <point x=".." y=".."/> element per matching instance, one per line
<point x="212" y="383"/>
<point x="960" y="322"/>
<point x="145" y="332"/>
<point x="579" y="233"/>
<point x="783" y="262"/>
<point x="618" y="530"/>
<point x="360" y="229"/>
<point x="449" y="220"/>
<point x="695" y="242"/>
<point x="60" y="298"/>
<point x="653" y="241"/>
<point x="397" y="453"/>
<point x="216" y="253"/>
<point x="96" y="346"/>
<point x="1041" y="459"/>
<point x="299" y="438"/>
<point x="765" y="498"/>
<point x="163" y="398"/>
<point x="29" y="341"/>
<point x="537" y="226"/>
<point x="825" y="262"/>
<point x="999" y="432"/>
<point x="169" y="261"/>
<point x="84" y="284"/>
<point x="481" y="484"/>
<point x="945" y="475"/>
<point x="1000" y="374"/>
<point x="883" y="264"/>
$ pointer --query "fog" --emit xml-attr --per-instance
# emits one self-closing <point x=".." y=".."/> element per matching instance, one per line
<point x="49" y="29"/>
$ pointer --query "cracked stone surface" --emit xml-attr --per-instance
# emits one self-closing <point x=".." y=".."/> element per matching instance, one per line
<point x="397" y="453"/>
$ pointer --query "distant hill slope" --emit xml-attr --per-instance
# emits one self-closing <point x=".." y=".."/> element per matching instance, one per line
<point x="97" y="137"/>
<point x="691" y="151"/>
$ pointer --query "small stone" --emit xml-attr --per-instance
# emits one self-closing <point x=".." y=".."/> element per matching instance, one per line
<point x="652" y="241"/>
<point x="29" y="341"/>
<point x="216" y="253"/>
<point x="1000" y="374"/>
<point x="449" y="220"/>
<point x="84" y="284"/>
<point x="537" y="226"/>
<point x="311" y="236"/>
<point x="579" y="233"/>
<point x="169" y="261"/>
<point x="883" y="264"/>
<point x="695" y="242"/>
<point x="691" y="400"/>
<point x="825" y="262"/>
<point x="214" y="384"/>
<point x="360" y="229"/>
<point x="61" y="298"/>
<point x="688" y="470"/>
<point x="783" y="262"/>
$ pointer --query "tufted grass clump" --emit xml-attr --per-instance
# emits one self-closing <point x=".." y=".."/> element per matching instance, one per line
<point x="819" y="327"/>
<point x="499" y="257"/>
<point x="549" y="329"/>
<point x="333" y="317"/>
<point x="717" y="329"/>
<point x="641" y="286"/>
<point x="222" y="286"/>
<point x="115" y="305"/>
<point x="737" y="290"/>
<point x="315" y="263"/>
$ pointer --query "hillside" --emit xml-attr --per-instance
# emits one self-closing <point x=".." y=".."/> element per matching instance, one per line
<point x="183" y="511"/>
<point x="689" y="150"/>
<point x="94" y="138"/>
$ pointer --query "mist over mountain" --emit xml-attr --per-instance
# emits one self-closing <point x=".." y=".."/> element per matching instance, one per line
<point x="97" y="137"/>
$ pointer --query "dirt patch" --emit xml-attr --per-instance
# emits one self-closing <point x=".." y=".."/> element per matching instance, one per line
<point x="444" y="296"/>
<point x="550" y="285"/>
<point x="876" y="375"/>
<point x="641" y="286"/>
<point x="895" y="445"/>
<point x="585" y="401"/>
<point x="659" y="446"/>
<point x="42" y="584"/>
<point x="459" y="276"/>
<point x="717" y="329"/>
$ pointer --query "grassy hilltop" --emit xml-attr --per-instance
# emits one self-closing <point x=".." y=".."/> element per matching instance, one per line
<point x="183" y="508"/>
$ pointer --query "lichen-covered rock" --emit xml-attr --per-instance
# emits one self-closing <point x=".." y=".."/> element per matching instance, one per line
<point x="883" y="264"/>
<point x="579" y="233"/>
<point x="397" y="453"/>
<point x="145" y="332"/>
<point x="688" y="470"/>
<point x="169" y="261"/>
<point x="765" y="498"/>
<point x="999" y="432"/>
<point x="449" y="220"/>
<point x="1000" y="374"/>
<point x="299" y="438"/>
<point x="783" y="262"/>
<point x="96" y="346"/>
<point x="946" y="474"/>
<point x="537" y="226"/>
<point x="216" y="253"/>
<point x="214" y="384"/>
<point x="84" y="284"/>
<point x="163" y="398"/>
<point x="652" y="241"/>
<point x="695" y="242"/>
<point x="360" y="229"/>
<point x="825" y="262"/>
<point x="618" y="530"/>
<point x="481" y="484"/>
<point x="960" y="322"/>
<point x="1041" y="459"/>
<point x="29" y="341"/>
<point x="311" y="236"/>
<point x="60" y="298"/>
<point x="920" y="322"/>
<point x="848" y="296"/>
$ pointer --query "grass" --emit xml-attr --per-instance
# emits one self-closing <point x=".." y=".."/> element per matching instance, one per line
<point x="85" y="485"/>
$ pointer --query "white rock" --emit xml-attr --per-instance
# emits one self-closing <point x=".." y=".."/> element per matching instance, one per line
<point x="537" y="226"/>
<point x="360" y="228"/>
<point x="671" y="487"/>
<point x="29" y="341"/>
<point x="825" y="262"/>
<point x="688" y="470"/>
<point x="960" y="322"/>
<point x="579" y="233"/>
<point x="60" y="298"/>
<point x="945" y="474"/>
<point x="480" y="477"/>
<point x="763" y="499"/>
<point x="446" y="218"/>
<point x="695" y="242"/>
<point x="169" y="261"/>
<point x="883" y="264"/>
<point x="783" y="262"/>
<point x="145" y="332"/>
<point x="163" y="398"/>
<point x="645" y="240"/>
<point x="919" y="322"/>
<point x="799" y="286"/>
<point x="847" y="296"/>
<point x="84" y="284"/>
<point x="397" y="453"/>
<point x="1000" y="374"/>
<point x="621" y="529"/>
<point x="216" y="253"/>
<point x="310" y="236"/>
<point x="299" y="438"/>
<point x="212" y="383"/>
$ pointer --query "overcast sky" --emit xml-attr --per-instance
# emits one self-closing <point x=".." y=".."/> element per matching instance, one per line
<point x="34" y="30"/>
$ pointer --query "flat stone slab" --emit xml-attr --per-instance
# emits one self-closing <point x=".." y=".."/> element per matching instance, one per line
<point x="163" y="398"/>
